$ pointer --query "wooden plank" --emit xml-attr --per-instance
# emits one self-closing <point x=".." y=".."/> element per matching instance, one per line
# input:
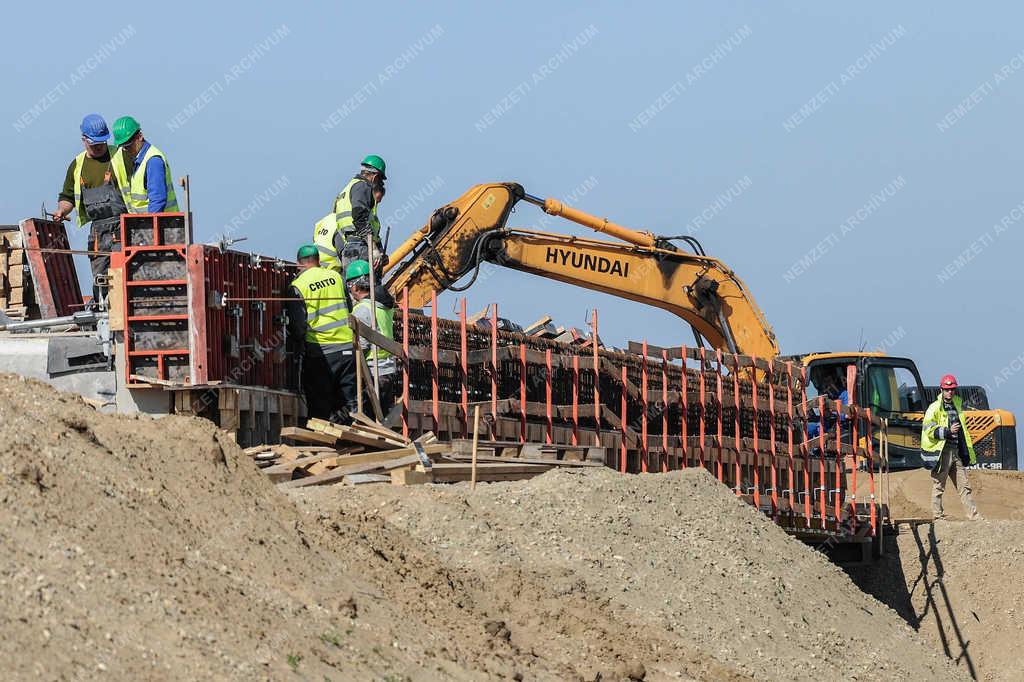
<point x="410" y="477"/>
<point x="367" y="423"/>
<point x="288" y="467"/>
<point x="361" y="479"/>
<point x="577" y="464"/>
<point x="307" y="436"/>
<point x="376" y="338"/>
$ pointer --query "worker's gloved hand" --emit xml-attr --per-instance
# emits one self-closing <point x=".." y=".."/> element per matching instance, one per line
<point x="955" y="428"/>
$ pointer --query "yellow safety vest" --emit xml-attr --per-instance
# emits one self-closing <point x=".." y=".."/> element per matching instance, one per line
<point x="385" y="325"/>
<point x="133" y="189"/>
<point x="935" y="417"/>
<point x="340" y="220"/>
<point x="326" y="309"/>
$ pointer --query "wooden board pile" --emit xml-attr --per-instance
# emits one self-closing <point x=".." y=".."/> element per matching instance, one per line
<point x="325" y="453"/>
<point x="17" y="295"/>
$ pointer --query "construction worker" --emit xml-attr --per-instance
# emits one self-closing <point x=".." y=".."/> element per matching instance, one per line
<point x="342" y="235"/>
<point x="90" y="190"/>
<point x="945" y="432"/>
<point x="141" y="171"/>
<point x="318" y="325"/>
<point x="357" y="278"/>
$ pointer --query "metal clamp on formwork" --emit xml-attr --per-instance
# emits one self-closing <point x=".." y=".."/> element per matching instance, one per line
<point x="234" y="348"/>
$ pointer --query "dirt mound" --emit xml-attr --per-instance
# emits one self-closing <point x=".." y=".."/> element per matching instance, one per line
<point x="660" y="574"/>
<point x="153" y="549"/>
<point x="958" y="583"/>
<point x="998" y="494"/>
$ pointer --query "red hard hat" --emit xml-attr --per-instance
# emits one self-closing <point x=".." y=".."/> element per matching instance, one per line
<point x="948" y="381"/>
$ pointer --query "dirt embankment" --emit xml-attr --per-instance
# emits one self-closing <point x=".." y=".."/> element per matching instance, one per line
<point x="665" y="574"/>
<point x="155" y="550"/>
<point x="958" y="582"/>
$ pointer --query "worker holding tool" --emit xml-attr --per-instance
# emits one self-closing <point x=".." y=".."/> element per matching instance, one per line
<point x="379" y="315"/>
<point x="90" y="190"/>
<point x="945" y="432"/>
<point x="342" y="235"/>
<point x="318" y="328"/>
<point x="141" y="171"/>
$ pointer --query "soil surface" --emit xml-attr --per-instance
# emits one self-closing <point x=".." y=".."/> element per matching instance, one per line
<point x="958" y="582"/>
<point x="154" y="549"/>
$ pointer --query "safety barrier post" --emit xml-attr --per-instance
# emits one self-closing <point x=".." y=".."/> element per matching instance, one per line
<point x="664" y="410"/>
<point x="851" y="399"/>
<point x="700" y="456"/>
<point x="757" y="452"/>
<point x="405" y="365"/>
<point x="720" y="398"/>
<point x="791" y="478"/>
<point x="522" y="392"/>
<point x="434" y="387"/>
<point x="464" y="366"/>
<point x="494" y="372"/>
<point x="871" y="475"/>
<point x="805" y="447"/>
<point x="597" y="382"/>
<point x="772" y="450"/>
<point x="575" y="399"/>
<point x="550" y="435"/>
<point x="622" y="426"/>
<point x="684" y="441"/>
<point x="840" y="465"/>
<point x="823" y="508"/>
<point x="738" y="468"/>
<point x="643" y="409"/>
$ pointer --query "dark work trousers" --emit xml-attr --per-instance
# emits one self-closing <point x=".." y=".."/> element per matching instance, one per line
<point x="103" y="236"/>
<point x="103" y="206"/>
<point x="354" y="249"/>
<point x="329" y="383"/>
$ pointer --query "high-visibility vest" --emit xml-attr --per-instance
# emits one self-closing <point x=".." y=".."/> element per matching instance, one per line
<point x="385" y="325"/>
<point x="340" y="220"/>
<point x="935" y="417"/>
<point x="326" y="309"/>
<point x="133" y="189"/>
<point x="343" y="211"/>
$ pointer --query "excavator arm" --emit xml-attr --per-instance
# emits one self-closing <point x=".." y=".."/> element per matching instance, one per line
<point x="463" y="236"/>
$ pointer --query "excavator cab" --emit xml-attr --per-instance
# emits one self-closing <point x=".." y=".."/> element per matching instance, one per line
<point x="893" y="389"/>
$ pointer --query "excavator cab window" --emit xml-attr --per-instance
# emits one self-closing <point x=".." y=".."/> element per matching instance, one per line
<point x="892" y="388"/>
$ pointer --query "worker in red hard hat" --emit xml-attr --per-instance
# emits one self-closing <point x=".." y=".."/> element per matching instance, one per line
<point x="944" y="433"/>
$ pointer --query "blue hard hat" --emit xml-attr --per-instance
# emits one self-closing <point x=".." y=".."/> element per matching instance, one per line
<point x="95" y="128"/>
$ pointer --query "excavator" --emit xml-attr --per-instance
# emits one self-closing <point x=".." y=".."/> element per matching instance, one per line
<point x="673" y="273"/>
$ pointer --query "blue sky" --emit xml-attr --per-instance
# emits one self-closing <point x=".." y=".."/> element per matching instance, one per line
<point x="878" y="144"/>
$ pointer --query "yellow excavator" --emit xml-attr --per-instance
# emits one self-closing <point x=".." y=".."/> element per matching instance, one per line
<point x="460" y="237"/>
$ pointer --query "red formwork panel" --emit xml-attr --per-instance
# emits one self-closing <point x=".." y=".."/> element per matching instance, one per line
<point x="237" y="322"/>
<point x="53" y="268"/>
<point x="196" y="315"/>
<point x="155" y="304"/>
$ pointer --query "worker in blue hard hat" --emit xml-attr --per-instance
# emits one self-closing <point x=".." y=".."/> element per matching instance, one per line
<point x="343" y="235"/>
<point x="90" y="190"/>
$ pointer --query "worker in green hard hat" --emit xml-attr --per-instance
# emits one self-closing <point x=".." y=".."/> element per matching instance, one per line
<point x="319" y="334"/>
<point x="141" y="171"/>
<point x="379" y="317"/>
<point x="343" y="234"/>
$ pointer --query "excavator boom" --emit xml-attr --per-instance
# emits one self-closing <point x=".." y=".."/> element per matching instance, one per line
<point x="471" y="230"/>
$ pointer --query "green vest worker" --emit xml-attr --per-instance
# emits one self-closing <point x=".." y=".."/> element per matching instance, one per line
<point x="141" y="171"/>
<point x="342" y="235"/>
<point x="318" y="327"/>
<point x="357" y="278"/>
<point x="944" y="433"/>
<point x="89" y="190"/>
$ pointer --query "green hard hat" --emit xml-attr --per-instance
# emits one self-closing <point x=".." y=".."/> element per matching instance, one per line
<point x="357" y="268"/>
<point x="308" y="251"/>
<point x="373" y="161"/>
<point x="124" y="129"/>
